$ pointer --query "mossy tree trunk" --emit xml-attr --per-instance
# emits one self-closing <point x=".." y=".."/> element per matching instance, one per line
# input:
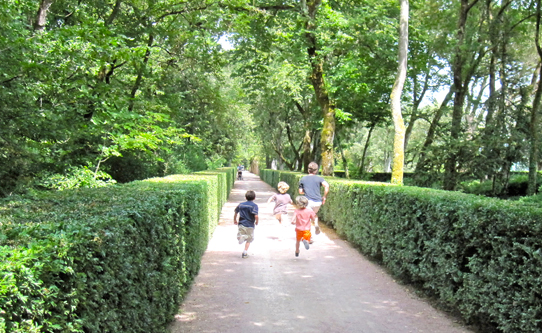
<point x="398" y="123"/>
<point x="320" y="89"/>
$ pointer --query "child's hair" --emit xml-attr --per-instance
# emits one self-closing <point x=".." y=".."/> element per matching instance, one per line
<point x="250" y="195"/>
<point x="301" y="201"/>
<point x="283" y="187"/>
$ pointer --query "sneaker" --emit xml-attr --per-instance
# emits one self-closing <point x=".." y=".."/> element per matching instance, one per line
<point x="242" y="239"/>
<point x="311" y="240"/>
<point x="306" y="243"/>
<point x="317" y="230"/>
<point x="244" y="255"/>
<point x="297" y="254"/>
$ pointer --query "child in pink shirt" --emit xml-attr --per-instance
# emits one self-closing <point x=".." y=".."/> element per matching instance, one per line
<point x="302" y="220"/>
<point x="281" y="200"/>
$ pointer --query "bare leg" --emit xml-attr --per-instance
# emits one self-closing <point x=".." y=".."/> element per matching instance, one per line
<point x="279" y="217"/>
<point x="316" y="209"/>
<point x="297" y="245"/>
<point x="247" y="244"/>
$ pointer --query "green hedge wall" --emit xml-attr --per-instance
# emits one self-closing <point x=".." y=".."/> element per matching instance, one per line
<point x="479" y="256"/>
<point x="114" y="259"/>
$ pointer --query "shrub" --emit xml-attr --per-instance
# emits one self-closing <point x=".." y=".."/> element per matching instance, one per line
<point x="114" y="259"/>
<point x="480" y="256"/>
<point x="517" y="186"/>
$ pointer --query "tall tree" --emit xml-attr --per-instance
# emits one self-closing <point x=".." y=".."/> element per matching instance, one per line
<point x="320" y="87"/>
<point x="534" y="127"/>
<point x="399" y="126"/>
<point x="461" y="82"/>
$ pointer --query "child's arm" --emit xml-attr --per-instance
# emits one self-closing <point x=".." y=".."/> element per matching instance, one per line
<point x="235" y="218"/>
<point x="272" y="198"/>
<point x="256" y="219"/>
<point x="293" y="219"/>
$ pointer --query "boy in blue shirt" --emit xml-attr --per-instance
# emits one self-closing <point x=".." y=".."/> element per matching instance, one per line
<point x="248" y="219"/>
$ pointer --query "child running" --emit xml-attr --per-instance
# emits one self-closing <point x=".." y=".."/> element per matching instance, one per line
<point x="248" y="219"/>
<point x="281" y="200"/>
<point x="302" y="220"/>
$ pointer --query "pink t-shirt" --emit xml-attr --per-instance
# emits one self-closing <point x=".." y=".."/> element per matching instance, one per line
<point x="281" y="203"/>
<point x="303" y="218"/>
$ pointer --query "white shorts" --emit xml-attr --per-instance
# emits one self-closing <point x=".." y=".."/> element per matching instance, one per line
<point x="315" y="205"/>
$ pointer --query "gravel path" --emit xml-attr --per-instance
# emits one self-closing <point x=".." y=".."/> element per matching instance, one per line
<point x="329" y="288"/>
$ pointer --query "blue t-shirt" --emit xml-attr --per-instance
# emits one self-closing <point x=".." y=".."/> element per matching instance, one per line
<point x="247" y="213"/>
<point x="311" y="187"/>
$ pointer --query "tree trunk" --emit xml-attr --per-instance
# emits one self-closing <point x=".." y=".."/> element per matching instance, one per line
<point x="473" y="107"/>
<point x="320" y="89"/>
<point x="292" y="145"/>
<point x="306" y="138"/>
<point x="513" y="151"/>
<point x="534" y="138"/>
<point x="362" y="167"/>
<point x="396" y="91"/>
<point x="501" y="184"/>
<point x="114" y="13"/>
<point x="421" y="165"/>
<point x="140" y="73"/>
<point x="41" y="17"/>
<point x="315" y="154"/>
<point x="345" y="162"/>
<point x="306" y="149"/>
<point x="450" y="173"/>
<point x="533" y="126"/>
<point x="492" y="79"/>
<point x="416" y="100"/>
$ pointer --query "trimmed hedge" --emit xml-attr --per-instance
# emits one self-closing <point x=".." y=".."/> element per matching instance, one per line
<point x="114" y="259"/>
<point x="479" y="256"/>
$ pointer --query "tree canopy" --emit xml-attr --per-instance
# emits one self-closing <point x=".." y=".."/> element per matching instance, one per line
<point x="130" y="89"/>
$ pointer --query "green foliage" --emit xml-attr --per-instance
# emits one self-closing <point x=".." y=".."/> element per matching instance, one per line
<point x="517" y="186"/>
<point x="76" y="177"/>
<point x="113" y="259"/>
<point x="479" y="256"/>
<point x="533" y="199"/>
<point x="103" y="85"/>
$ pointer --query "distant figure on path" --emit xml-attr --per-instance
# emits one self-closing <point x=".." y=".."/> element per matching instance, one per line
<point x="310" y="187"/>
<point x="248" y="219"/>
<point x="239" y="172"/>
<point x="282" y="199"/>
<point x="302" y="220"/>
